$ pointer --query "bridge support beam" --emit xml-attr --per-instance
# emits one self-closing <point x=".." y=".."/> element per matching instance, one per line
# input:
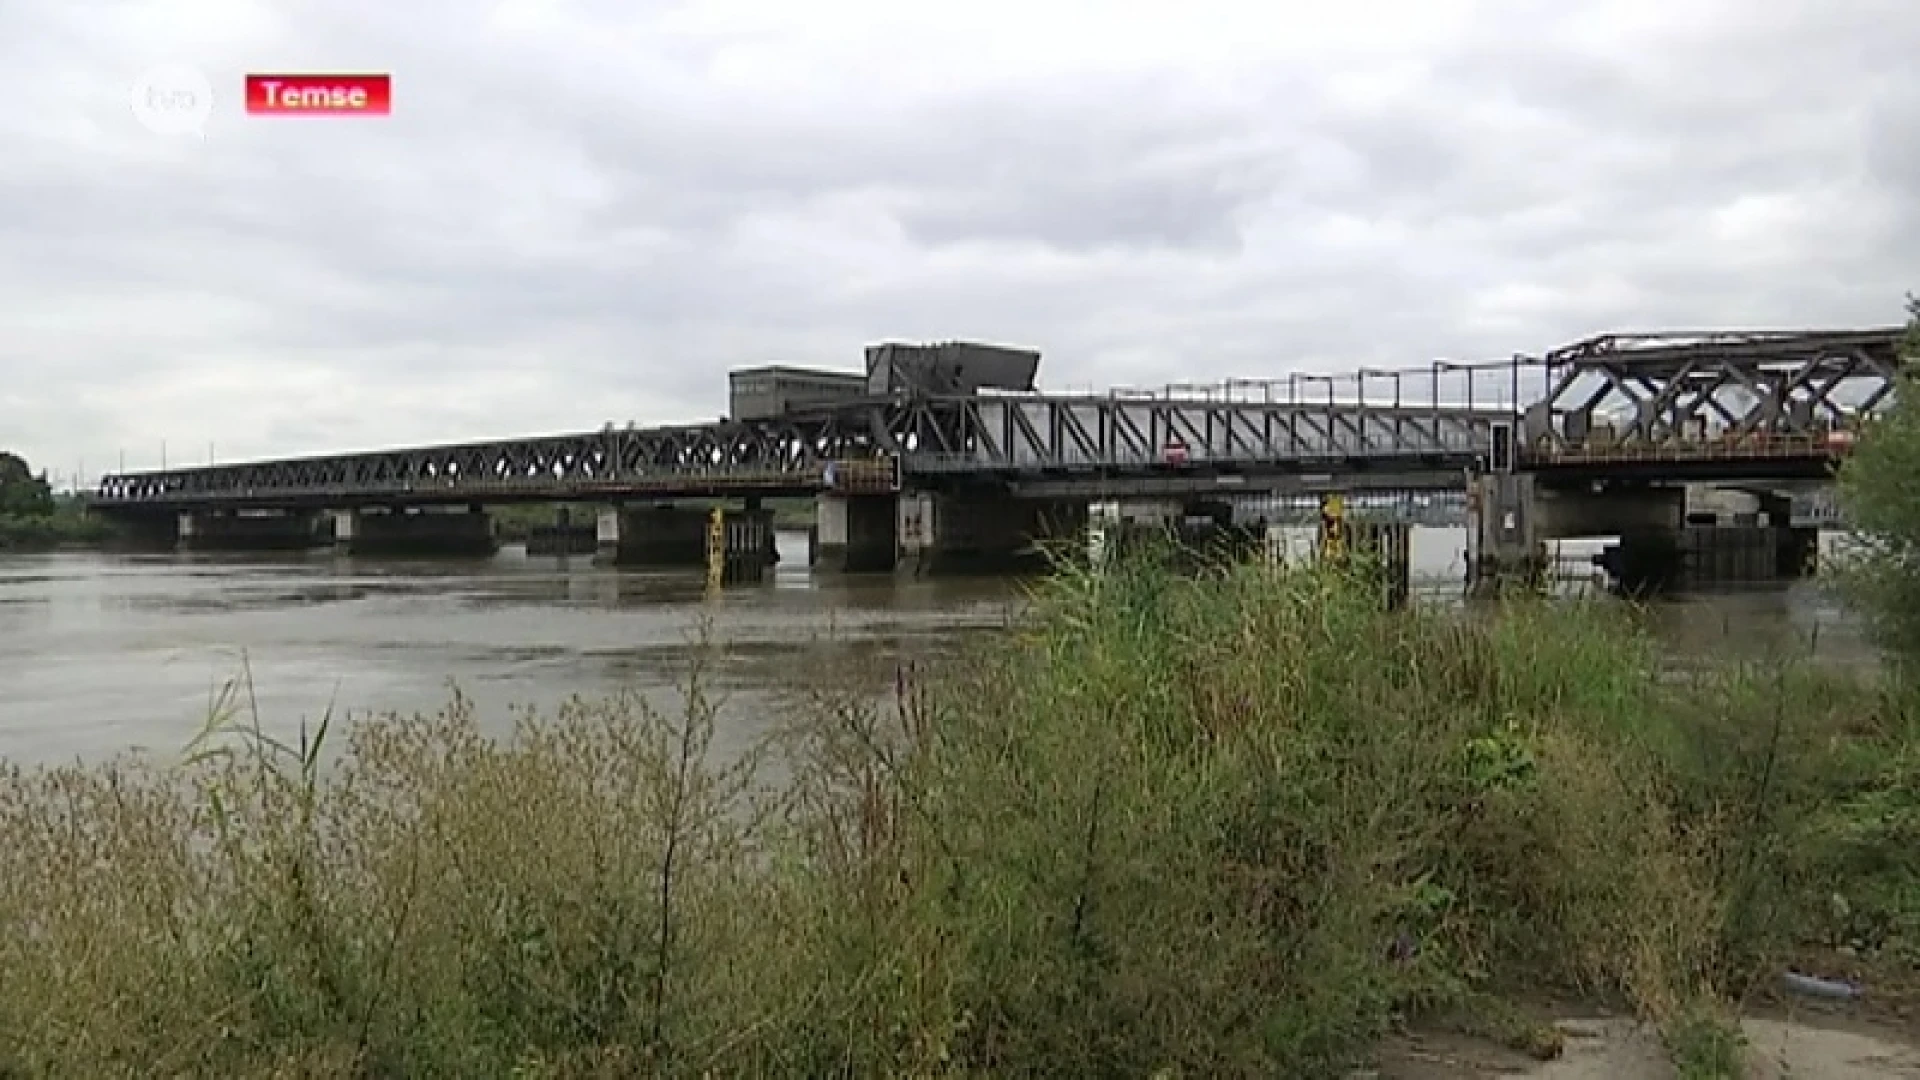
<point x="409" y="533"/>
<point x="856" y="534"/>
<point x="679" y="536"/>
<point x="223" y="530"/>
<point x="986" y="532"/>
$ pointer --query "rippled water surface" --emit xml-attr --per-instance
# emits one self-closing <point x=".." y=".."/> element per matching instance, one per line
<point x="101" y="653"/>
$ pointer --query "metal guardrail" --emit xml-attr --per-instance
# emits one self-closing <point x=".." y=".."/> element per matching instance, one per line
<point x="1738" y="448"/>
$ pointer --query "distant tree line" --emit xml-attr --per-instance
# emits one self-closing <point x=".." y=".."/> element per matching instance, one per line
<point x="22" y="493"/>
<point x="32" y="516"/>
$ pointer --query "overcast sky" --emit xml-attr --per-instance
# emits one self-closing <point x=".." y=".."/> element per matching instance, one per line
<point x="582" y="212"/>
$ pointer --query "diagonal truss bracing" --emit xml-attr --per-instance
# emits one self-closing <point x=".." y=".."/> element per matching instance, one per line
<point x="1710" y="391"/>
<point x="1027" y="434"/>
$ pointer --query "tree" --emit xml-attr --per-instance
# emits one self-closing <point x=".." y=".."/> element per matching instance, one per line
<point x="1880" y="491"/>
<point x="22" y="494"/>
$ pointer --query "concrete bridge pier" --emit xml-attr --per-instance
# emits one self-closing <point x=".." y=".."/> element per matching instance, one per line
<point x="1189" y="531"/>
<point x="1746" y="536"/>
<point x="856" y="534"/>
<point x="1797" y="549"/>
<point x="415" y="532"/>
<point x="1504" y="544"/>
<point x="987" y="532"/>
<point x="146" y="532"/>
<point x="247" y="530"/>
<point x="742" y="545"/>
<point x="1514" y="515"/>
<point x="683" y="536"/>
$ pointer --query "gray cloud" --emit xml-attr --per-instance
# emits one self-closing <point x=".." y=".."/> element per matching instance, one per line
<point x="588" y="212"/>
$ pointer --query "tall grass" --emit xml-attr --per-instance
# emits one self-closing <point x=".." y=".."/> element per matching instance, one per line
<point x="1216" y="825"/>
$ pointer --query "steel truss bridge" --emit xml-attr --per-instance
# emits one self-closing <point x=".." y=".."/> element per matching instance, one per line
<point x="1709" y="404"/>
<point x="1666" y="405"/>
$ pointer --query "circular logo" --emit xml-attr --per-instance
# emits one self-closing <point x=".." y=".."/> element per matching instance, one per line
<point x="173" y="100"/>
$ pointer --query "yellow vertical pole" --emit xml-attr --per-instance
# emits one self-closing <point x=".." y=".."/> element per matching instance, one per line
<point x="1333" y="527"/>
<point x="716" y="549"/>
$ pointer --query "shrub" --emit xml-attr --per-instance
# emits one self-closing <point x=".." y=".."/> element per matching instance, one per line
<point x="1215" y="825"/>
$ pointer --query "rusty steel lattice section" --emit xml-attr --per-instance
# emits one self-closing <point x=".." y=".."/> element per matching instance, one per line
<point x="926" y="436"/>
<point x="1709" y="396"/>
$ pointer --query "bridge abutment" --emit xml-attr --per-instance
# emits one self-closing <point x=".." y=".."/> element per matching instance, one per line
<point x="461" y="533"/>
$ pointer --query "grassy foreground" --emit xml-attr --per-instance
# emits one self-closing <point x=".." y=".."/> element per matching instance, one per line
<point x="1168" y="827"/>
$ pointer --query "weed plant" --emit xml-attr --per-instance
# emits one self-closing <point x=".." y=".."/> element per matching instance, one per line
<point x="1221" y="824"/>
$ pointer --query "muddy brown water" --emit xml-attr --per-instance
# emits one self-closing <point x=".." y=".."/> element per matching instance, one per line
<point x="103" y="653"/>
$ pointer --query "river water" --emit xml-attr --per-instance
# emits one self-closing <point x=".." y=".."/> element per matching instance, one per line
<point x="104" y="653"/>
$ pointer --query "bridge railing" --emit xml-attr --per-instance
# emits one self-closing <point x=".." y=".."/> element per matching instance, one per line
<point x="1753" y="446"/>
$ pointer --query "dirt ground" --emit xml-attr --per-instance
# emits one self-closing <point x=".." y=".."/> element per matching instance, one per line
<point x="1804" y="1044"/>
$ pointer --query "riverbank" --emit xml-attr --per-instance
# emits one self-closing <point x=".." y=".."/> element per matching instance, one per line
<point x="1219" y="828"/>
<point x="67" y="527"/>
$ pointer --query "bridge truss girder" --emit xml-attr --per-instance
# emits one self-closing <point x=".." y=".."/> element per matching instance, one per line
<point x="1684" y="390"/>
<point x="1035" y="434"/>
<point x="937" y="438"/>
<point x="788" y="454"/>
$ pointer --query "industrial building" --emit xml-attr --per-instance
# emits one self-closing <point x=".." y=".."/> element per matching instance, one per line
<point x="893" y="369"/>
<point x="764" y="392"/>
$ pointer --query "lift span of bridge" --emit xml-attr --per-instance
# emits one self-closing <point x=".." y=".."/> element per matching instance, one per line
<point x="1641" y="408"/>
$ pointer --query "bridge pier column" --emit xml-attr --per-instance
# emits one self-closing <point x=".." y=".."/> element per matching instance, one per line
<point x="661" y="536"/>
<point x="1503" y="541"/>
<point x="145" y="532"/>
<point x="222" y="530"/>
<point x="743" y="547"/>
<point x="562" y="538"/>
<point x="1796" y="550"/>
<point x="1650" y="520"/>
<point x="402" y="532"/>
<point x="679" y="536"/>
<point x="986" y="532"/>
<point x="857" y="534"/>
